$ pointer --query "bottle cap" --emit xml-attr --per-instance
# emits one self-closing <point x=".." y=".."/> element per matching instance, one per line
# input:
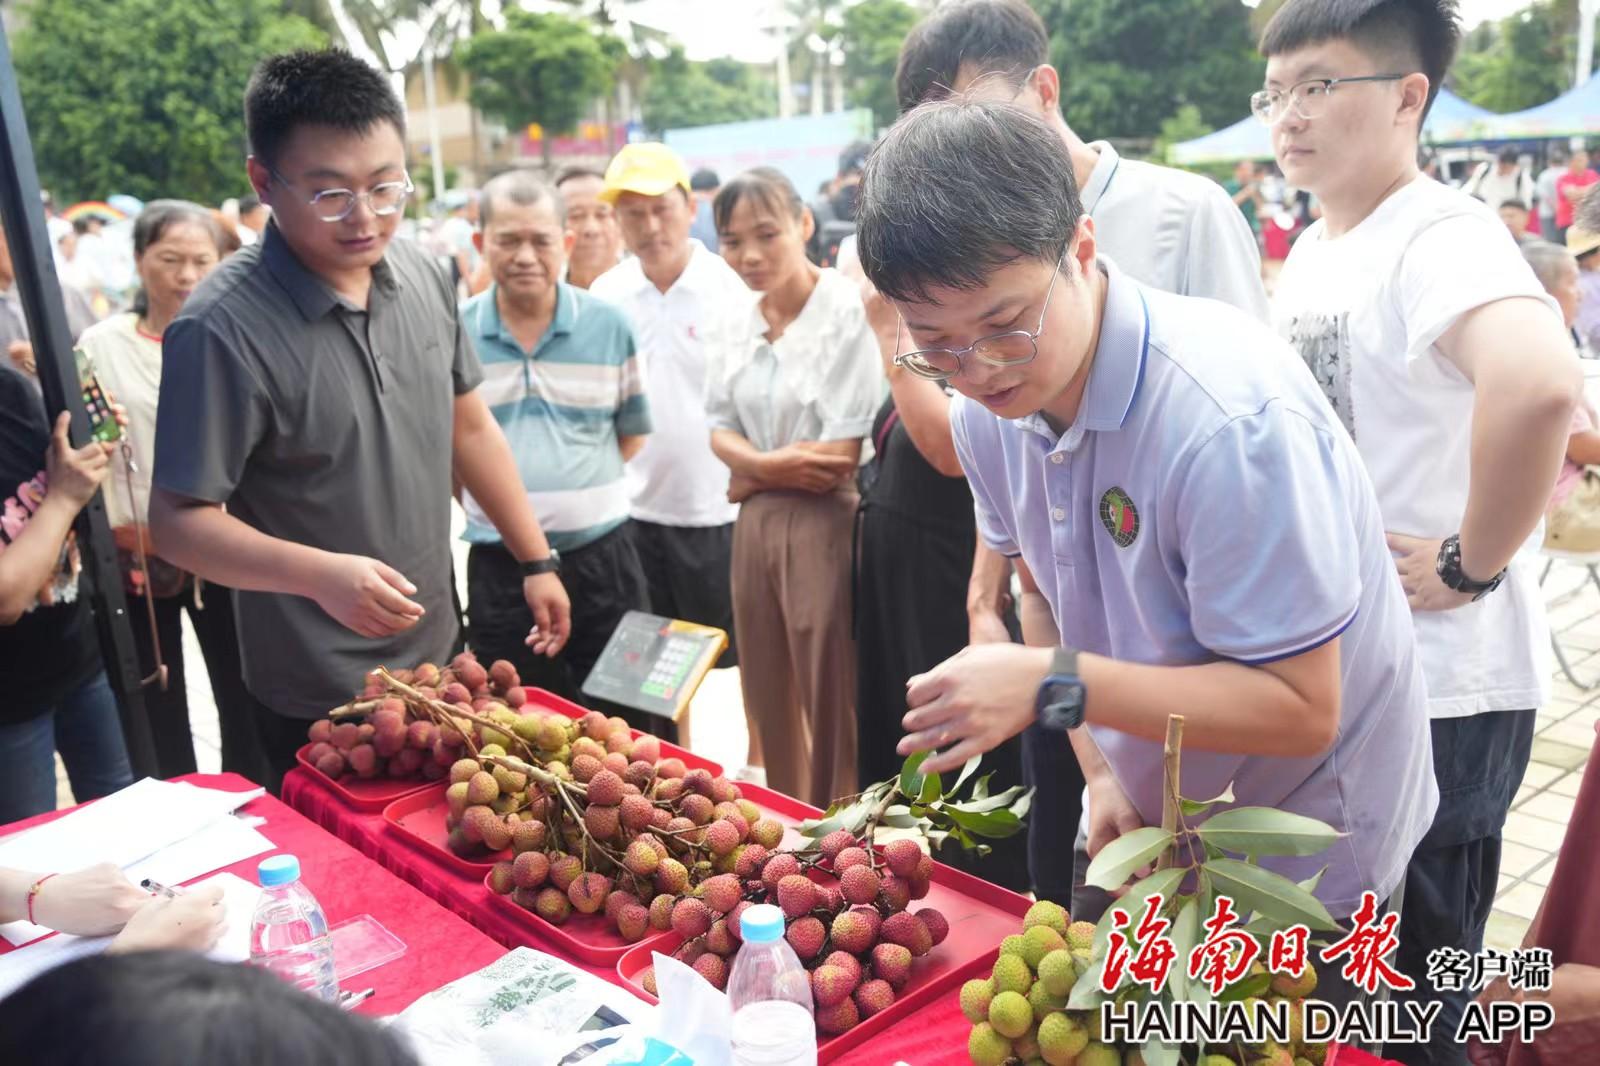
<point x="761" y="924"/>
<point x="282" y="869"/>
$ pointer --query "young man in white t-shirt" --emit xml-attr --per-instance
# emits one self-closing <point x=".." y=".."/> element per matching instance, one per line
<point x="1449" y="365"/>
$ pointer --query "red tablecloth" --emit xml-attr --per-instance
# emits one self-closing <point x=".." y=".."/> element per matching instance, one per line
<point x="938" y="1036"/>
<point x="439" y="946"/>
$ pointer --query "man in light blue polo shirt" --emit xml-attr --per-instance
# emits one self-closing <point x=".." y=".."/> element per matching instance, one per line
<point x="1200" y="526"/>
<point x="562" y="377"/>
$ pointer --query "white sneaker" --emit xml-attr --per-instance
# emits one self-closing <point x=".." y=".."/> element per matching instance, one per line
<point x="755" y="775"/>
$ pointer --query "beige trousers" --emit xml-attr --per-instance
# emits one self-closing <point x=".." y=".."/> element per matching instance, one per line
<point x="797" y="658"/>
<point x="1575" y="525"/>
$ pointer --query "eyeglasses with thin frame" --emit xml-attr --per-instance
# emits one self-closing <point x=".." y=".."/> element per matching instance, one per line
<point x="335" y="205"/>
<point x="1012" y="348"/>
<point x="1308" y="98"/>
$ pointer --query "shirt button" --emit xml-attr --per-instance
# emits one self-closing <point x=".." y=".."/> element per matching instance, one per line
<point x="1058" y="514"/>
<point x="1057" y="458"/>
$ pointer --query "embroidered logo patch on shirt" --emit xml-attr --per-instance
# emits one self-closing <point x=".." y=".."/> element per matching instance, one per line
<point x="1119" y="516"/>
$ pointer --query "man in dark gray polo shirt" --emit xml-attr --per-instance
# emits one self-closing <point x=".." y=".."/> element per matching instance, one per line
<point x="320" y="386"/>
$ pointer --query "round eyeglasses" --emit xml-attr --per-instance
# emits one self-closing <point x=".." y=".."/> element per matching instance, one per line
<point x="335" y="205"/>
<point x="1012" y="348"/>
<point x="1308" y="98"/>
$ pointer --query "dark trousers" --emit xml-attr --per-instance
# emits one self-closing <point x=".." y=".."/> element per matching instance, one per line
<point x="168" y="711"/>
<point x="278" y="738"/>
<point x="689" y="570"/>
<point x="1051" y="767"/>
<point x="910" y="616"/>
<point x="604" y="580"/>
<point x="1451" y="880"/>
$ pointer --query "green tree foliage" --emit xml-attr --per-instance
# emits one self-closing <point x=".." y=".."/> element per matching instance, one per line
<point x="540" y="68"/>
<point x="1184" y="125"/>
<point x="143" y="96"/>
<point x="679" y="94"/>
<point x="873" y="32"/>
<point x="1519" y="61"/>
<point x="1128" y="65"/>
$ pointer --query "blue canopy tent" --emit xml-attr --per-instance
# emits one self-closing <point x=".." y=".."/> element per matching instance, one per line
<point x="1575" y="113"/>
<point x="1451" y="121"/>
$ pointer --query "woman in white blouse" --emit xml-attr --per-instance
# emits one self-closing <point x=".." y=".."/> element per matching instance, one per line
<point x="175" y="245"/>
<point x="793" y="380"/>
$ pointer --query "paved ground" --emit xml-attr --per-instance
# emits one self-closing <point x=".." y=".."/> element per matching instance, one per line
<point x="1534" y="829"/>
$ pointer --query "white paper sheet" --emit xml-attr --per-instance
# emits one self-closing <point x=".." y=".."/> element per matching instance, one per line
<point x="170" y="832"/>
<point x="19" y="967"/>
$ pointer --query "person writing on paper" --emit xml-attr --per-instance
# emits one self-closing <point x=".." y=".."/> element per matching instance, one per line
<point x="99" y="901"/>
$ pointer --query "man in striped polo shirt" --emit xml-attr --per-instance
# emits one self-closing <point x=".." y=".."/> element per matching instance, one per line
<point x="561" y="375"/>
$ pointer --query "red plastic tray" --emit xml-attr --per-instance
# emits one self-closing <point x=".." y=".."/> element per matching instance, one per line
<point x="590" y="937"/>
<point x="418" y="819"/>
<point x="549" y="701"/>
<point x="980" y="915"/>
<point x="364" y="794"/>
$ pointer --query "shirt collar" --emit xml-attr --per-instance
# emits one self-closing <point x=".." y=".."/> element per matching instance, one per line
<point x="1118" y="368"/>
<point x="313" y="296"/>
<point x="490" y="326"/>
<point x="691" y="280"/>
<point x="1100" y="177"/>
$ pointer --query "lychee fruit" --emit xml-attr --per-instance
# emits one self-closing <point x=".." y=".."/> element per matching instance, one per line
<point x="1011" y="974"/>
<point x="602" y="821"/>
<point x="564" y="869"/>
<point x="633" y="922"/>
<point x="331" y="764"/>
<point x="986" y="1047"/>
<point x="835" y="842"/>
<point x="975" y="997"/>
<point x="908" y="931"/>
<point x="1061" y="1039"/>
<point x="766" y="832"/>
<point x="721" y="893"/>
<point x="892" y="962"/>
<point x="482" y="788"/>
<point x="1056" y="973"/>
<point x="671" y="876"/>
<point x="364" y="761"/>
<point x="720" y="940"/>
<point x="588" y="892"/>
<point x="500" y="879"/>
<point x="528" y="836"/>
<point x="530" y="869"/>
<point x="321" y="731"/>
<point x="777" y="868"/>
<point x="938" y="925"/>
<point x="830" y="984"/>
<point x="874" y="996"/>
<point x="714" y="968"/>
<point x="895" y="892"/>
<point x="661" y="912"/>
<point x="806" y="936"/>
<point x="1080" y="936"/>
<point x="851" y="932"/>
<point x="848" y="857"/>
<point x="750" y="861"/>
<point x="690" y="918"/>
<point x="647" y="979"/>
<point x="503" y="675"/>
<point x="721" y="837"/>
<point x="847" y="962"/>
<point x="1038" y="942"/>
<point x="796" y="895"/>
<point x="839" y="1018"/>
<point x="1282" y="984"/>
<point x="1010" y="1015"/>
<point x="552" y="905"/>
<point x="902" y="856"/>
<point x="859" y="885"/>
<point x="1048" y="914"/>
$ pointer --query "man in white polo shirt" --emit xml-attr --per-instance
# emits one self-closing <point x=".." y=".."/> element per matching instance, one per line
<point x="1199" y="525"/>
<point x="1445" y="359"/>
<point x="683" y="522"/>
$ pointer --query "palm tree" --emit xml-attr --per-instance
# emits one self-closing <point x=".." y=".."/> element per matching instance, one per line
<point x="638" y="47"/>
<point x="813" y="42"/>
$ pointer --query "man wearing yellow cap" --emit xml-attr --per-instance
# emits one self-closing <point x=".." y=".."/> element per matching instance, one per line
<point x="670" y="289"/>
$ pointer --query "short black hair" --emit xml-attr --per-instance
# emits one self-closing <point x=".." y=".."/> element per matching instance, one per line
<point x="519" y="186"/>
<point x="573" y="173"/>
<point x="1518" y="204"/>
<point x="704" y="180"/>
<point x="330" y="87"/>
<point x="959" y="188"/>
<point x="1507" y="155"/>
<point x="768" y="186"/>
<point x="853" y="160"/>
<point x="1409" y="35"/>
<point x="1004" y="37"/>
<point x="248" y="203"/>
<point x="157" y="1008"/>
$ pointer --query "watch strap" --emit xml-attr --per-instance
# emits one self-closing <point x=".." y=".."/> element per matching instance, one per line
<point x="1448" y="567"/>
<point x="550" y="564"/>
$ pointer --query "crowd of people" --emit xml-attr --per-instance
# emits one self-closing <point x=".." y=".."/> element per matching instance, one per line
<point x="1000" y="451"/>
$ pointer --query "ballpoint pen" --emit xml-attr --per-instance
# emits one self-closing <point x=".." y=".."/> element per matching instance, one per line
<point x="157" y="888"/>
<point x="350" y="1000"/>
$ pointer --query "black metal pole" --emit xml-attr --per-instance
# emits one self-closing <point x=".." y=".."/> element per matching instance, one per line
<point x="40" y="290"/>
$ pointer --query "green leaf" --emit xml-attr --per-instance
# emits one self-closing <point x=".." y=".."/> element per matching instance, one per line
<point x="1267" y="893"/>
<point x="1245" y="987"/>
<point x="1185" y="935"/>
<point x="932" y="788"/>
<point x="981" y="788"/>
<point x="1310" y="884"/>
<point x="996" y="825"/>
<point x="967" y="771"/>
<point x="1194" y="808"/>
<point x="1119" y="859"/>
<point x="1162" y="883"/>
<point x="910" y="777"/>
<point x="900" y="821"/>
<point x="1010" y="796"/>
<point x="1086" y="994"/>
<point x="1156" y="1053"/>
<point x="1266" y="831"/>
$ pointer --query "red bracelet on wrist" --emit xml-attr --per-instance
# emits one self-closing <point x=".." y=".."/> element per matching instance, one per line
<point x="33" y="890"/>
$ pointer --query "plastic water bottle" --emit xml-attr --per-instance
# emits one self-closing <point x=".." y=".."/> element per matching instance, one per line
<point x="289" y="933"/>
<point x="770" y="993"/>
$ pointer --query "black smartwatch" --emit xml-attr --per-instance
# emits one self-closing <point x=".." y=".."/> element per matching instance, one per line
<point x="550" y="564"/>
<point x="1059" y="704"/>
<point x="1449" y="568"/>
